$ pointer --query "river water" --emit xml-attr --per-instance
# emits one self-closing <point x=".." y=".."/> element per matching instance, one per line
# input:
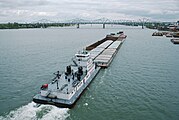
<point x="141" y="83"/>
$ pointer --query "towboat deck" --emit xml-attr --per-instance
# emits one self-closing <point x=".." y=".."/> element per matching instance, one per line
<point x="68" y="83"/>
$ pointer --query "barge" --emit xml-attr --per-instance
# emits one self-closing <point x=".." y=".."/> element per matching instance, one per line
<point x="175" y="40"/>
<point x="103" y="53"/>
<point x="66" y="88"/>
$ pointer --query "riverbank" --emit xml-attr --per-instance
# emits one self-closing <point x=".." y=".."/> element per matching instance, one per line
<point x="31" y="25"/>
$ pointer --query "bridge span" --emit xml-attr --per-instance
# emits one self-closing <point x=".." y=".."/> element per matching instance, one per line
<point x="102" y="21"/>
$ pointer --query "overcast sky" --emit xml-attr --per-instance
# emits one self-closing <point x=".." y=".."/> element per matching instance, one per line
<point x="57" y="10"/>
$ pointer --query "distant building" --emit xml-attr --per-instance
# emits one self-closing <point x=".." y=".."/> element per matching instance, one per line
<point x="177" y="28"/>
<point x="178" y="23"/>
<point x="174" y="27"/>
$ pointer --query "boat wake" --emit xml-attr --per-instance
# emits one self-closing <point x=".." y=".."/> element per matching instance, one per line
<point x="33" y="112"/>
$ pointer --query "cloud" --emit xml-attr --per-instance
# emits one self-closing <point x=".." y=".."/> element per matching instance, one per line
<point x="32" y="10"/>
<point x="23" y="3"/>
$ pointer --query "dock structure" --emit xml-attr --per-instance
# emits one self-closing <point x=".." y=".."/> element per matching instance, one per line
<point x="103" y="51"/>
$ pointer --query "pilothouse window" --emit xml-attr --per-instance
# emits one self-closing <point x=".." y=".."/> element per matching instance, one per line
<point x="80" y="56"/>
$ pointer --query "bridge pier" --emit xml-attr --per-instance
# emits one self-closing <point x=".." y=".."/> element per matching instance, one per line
<point x="78" y="25"/>
<point x="103" y="26"/>
<point x="142" y="26"/>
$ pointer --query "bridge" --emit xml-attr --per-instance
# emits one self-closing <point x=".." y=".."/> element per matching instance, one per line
<point x="102" y="21"/>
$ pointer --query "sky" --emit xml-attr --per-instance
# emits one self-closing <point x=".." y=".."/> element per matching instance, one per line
<point x="62" y="10"/>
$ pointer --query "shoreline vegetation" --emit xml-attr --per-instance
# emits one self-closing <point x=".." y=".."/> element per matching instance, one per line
<point x="164" y="26"/>
<point x="16" y="25"/>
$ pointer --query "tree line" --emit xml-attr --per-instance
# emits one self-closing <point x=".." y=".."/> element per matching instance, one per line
<point x="16" y="25"/>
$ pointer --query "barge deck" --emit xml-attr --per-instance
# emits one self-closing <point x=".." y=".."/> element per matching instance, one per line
<point x="103" y="51"/>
